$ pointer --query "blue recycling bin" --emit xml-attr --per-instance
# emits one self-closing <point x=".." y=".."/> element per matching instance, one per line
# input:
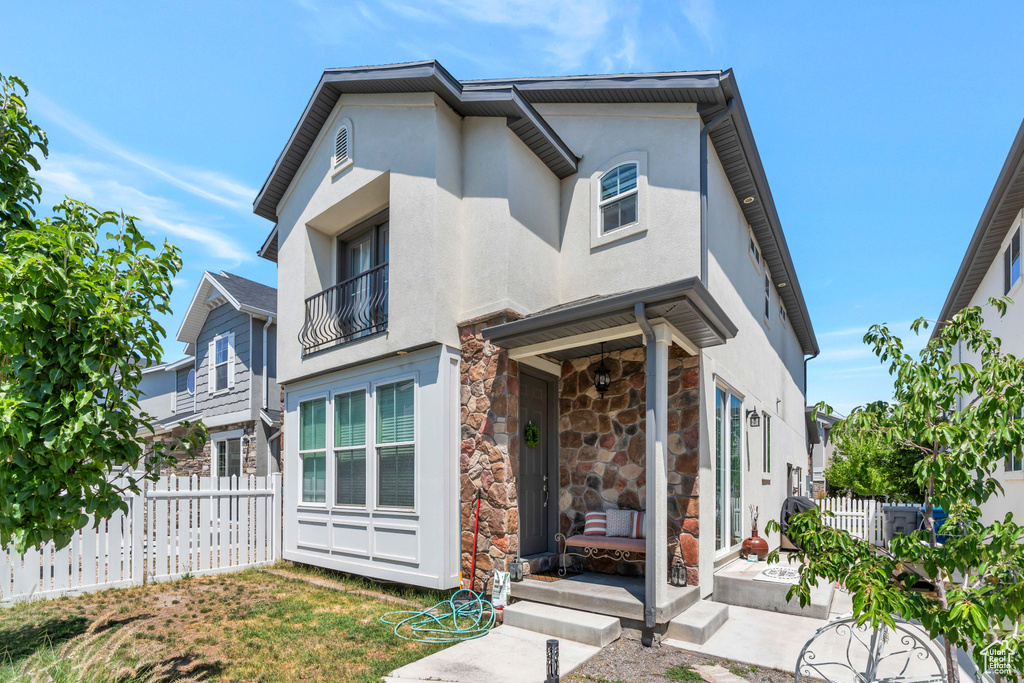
<point x="940" y="516"/>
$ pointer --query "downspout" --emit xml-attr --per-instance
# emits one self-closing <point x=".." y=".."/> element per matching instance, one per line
<point x="650" y="608"/>
<point x="266" y="378"/>
<point x="810" y="447"/>
<point x="266" y="382"/>
<point x="704" y="188"/>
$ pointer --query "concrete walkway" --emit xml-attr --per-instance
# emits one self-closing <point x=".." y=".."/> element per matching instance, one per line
<point x="773" y="640"/>
<point x="505" y="655"/>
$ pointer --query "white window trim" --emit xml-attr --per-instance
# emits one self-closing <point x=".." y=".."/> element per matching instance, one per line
<point x="215" y="463"/>
<point x="766" y="311"/>
<point x="757" y="266"/>
<point x="337" y="168"/>
<point x="211" y="364"/>
<point x="395" y="379"/>
<point x="328" y="470"/>
<point x="783" y="313"/>
<point x="597" y="237"/>
<point x="332" y="473"/>
<point x="766" y="444"/>
<point x="1014" y="286"/>
<point x="729" y="392"/>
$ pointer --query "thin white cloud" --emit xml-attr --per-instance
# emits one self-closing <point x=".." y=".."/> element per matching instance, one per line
<point x="702" y="16"/>
<point x="106" y="186"/>
<point x="206" y="184"/>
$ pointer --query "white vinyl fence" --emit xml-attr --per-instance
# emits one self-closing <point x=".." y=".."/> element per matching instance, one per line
<point x="175" y="526"/>
<point x="861" y="518"/>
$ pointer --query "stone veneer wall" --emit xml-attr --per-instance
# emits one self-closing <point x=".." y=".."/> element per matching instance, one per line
<point x="200" y="465"/>
<point x="489" y="457"/>
<point x="602" y="441"/>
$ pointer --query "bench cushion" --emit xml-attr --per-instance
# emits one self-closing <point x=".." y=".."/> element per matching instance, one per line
<point x="633" y="545"/>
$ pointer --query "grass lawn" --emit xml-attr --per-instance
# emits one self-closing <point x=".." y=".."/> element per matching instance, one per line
<point x="249" y="626"/>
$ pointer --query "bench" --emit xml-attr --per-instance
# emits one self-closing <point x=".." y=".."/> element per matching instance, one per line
<point x="632" y="550"/>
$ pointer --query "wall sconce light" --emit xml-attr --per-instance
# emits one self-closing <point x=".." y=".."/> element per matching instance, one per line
<point x="602" y="376"/>
<point x="754" y="418"/>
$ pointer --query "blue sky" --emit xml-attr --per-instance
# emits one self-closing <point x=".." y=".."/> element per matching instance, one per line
<point x="882" y="126"/>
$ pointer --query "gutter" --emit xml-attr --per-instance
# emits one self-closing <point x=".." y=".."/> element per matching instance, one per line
<point x="266" y="378"/>
<point x="704" y="187"/>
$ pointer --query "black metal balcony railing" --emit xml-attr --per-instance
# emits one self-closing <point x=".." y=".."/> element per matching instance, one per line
<point x="354" y="308"/>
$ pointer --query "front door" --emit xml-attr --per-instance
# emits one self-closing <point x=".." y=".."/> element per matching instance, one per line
<point x="533" y="466"/>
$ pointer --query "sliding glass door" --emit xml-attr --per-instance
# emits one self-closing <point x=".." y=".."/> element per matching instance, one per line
<point x="728" y="469"/>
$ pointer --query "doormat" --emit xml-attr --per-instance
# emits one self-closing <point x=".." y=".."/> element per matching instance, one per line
<point x="779" y="575"/>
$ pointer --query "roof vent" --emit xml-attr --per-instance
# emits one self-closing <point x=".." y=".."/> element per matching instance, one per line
<point x="341" y="146"/>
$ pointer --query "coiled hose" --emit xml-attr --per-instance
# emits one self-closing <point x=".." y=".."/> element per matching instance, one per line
<point x="464" y="616"/>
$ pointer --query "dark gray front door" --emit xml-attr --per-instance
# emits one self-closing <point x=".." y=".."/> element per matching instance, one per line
<point x="533" y="467"/>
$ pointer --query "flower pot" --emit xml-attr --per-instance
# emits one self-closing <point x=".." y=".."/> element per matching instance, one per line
<point x="755" y="545"/>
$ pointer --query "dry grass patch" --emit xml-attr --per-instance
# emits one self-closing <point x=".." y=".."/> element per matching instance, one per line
<point x="250" y="626"/>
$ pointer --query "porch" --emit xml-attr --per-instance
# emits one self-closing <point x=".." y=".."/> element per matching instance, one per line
<point x="546" y="441"/>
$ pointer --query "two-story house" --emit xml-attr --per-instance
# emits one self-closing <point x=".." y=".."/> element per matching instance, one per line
<point x="992" y="268"/>
<point x="228" y="381"/>
<point x="569" y="294"/>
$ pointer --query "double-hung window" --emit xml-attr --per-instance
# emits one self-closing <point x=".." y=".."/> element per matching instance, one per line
<point x="1011" y="263"/>
<point x="755" y="253"/>
<point x="229" y="457"/>
<point x="221" y="356"/>
<point x="395" y="445"/>
<point x="767" y="297"/>
<point x="312" y="450"/>
<point x="767" y="436"/>
<point x="350" y="448"/>
<point x="618" y="202"/>
<point x="728" y="469"/>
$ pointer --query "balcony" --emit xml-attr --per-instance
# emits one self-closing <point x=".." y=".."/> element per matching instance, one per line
<point x="350" y="310"/>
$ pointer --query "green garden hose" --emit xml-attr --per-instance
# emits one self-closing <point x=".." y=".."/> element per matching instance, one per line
<point x="449" y="621"/>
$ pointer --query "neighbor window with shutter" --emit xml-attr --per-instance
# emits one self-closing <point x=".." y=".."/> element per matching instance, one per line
<point x="1011" y="263"/>
<point x="395" y="443"/>
<point x="221" y="362"/>
<point x="350" y="448"/>
<point x="313" y="450"/>
<point x="618" y="202"/>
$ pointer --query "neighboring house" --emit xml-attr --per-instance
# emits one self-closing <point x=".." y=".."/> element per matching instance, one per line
<point x="228" y="382"/>
<point x="456" y="260"/>
<point x="992" y="268"/>
<point x="820" y="447"/>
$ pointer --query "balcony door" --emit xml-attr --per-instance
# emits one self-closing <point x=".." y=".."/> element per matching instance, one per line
<point x="362" y="277"/>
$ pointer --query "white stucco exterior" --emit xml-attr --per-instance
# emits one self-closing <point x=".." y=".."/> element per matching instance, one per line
<point x="479" y="224"/>
<point x="1009" y="329"/>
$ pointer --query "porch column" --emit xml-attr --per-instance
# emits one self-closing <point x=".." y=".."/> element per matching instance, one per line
<point x="656" y="568"/>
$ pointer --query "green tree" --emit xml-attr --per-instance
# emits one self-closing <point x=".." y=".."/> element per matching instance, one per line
<point x="77" y="327"/>
<point x="866" y="465"/>
<point x="962" y="418"/>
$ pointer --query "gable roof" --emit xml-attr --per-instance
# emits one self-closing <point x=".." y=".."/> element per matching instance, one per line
<point x="245" y="295"/>
<point x="711" y="91"/>
<point x="1002" y="207"/>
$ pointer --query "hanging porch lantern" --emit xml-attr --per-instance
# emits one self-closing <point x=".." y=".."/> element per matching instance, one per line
<point x="602" y="376"/>
<point x="754" y="418"/>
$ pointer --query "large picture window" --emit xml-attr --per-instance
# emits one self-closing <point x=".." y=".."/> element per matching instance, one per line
<point x="395" y="445"/>
<point x="728" y="469"/>
<point x="312" y="450"/>
<point x="350" y="448"/>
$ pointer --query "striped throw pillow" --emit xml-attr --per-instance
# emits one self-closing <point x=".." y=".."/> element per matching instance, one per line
<point x="637" y="525"/>
<point x="620" y="522"/>
<point x="596" y="524"/>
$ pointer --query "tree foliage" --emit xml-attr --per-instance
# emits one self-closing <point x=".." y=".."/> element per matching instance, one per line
<point x="962" y="418"/>
<point x="866" y="465"/>
<point x="79" y="291"/>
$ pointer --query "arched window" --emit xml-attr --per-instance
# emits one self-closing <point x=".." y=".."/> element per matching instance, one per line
<point x="619" y="197"/>
<point x="341" y="145"/>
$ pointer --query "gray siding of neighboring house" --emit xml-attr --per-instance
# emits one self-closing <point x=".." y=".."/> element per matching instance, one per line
<point x="156" y="388"/>
<point x="274" y="390"/>
<point x="183" y="400"/>
<point x="222" y="320"/>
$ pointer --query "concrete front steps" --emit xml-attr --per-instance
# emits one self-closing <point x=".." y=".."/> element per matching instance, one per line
<point x="563" y="623"/>
<point x="698" y="623"/>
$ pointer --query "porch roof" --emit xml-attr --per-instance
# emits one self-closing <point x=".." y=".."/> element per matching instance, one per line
<point x="578" y="328"/>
